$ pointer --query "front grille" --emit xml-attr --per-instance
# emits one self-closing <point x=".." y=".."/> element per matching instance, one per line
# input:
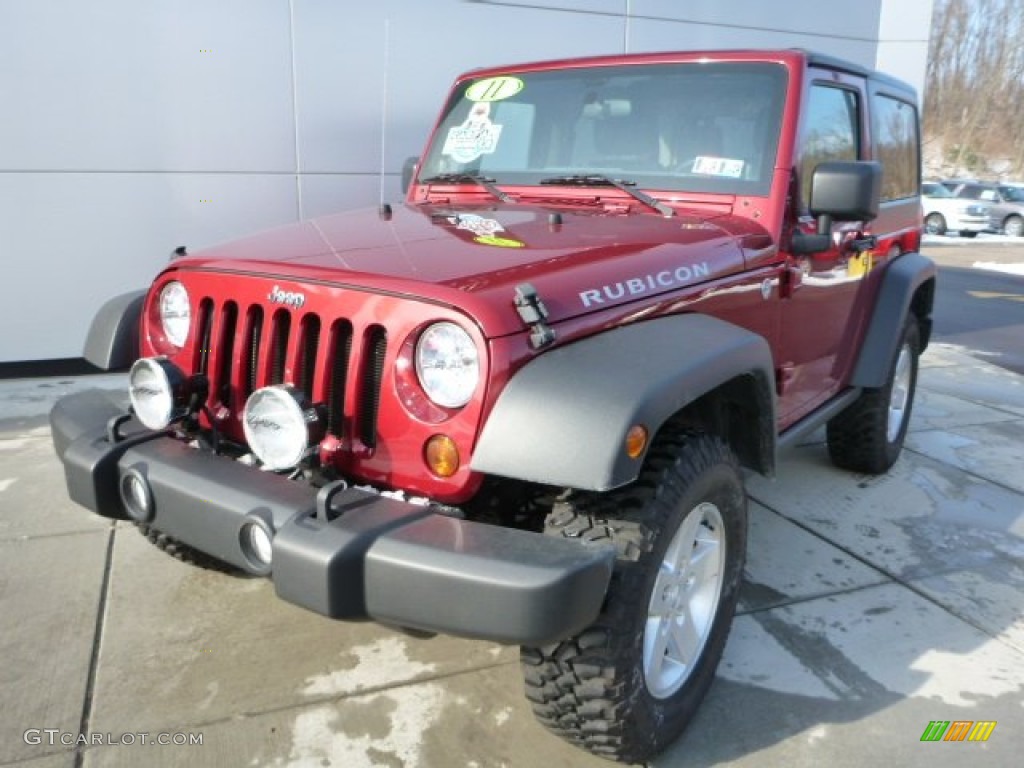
<point x="244" y="348"/>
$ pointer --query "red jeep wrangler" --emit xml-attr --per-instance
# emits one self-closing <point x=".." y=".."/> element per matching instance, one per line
<point x="516" y="406"/>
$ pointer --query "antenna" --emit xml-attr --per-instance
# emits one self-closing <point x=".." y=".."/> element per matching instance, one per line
<point x="625" y="29"/>
<point x="384" y="105"/>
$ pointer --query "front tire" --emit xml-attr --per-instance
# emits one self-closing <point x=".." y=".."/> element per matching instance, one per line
<point x="1014" y="226"/>
<point x="935" y="224"/>
<point x="627" y="686"/>
<point x="182" y="551"/>
<point x="868" y="436"/>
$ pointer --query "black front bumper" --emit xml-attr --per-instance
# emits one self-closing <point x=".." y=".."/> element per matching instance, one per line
<point x="366" y="556"/>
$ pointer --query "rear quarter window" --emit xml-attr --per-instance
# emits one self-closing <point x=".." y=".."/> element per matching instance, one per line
<point x="897" y="146"/>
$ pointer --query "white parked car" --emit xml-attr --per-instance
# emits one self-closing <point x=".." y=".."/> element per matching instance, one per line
<point x="944" y="212"/>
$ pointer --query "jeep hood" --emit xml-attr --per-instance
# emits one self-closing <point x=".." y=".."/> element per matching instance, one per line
<point x="472" y="257"/>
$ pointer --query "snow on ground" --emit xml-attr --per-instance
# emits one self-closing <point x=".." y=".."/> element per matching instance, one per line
<point x="1013" y="269"/>
<point x="983" y="238"/>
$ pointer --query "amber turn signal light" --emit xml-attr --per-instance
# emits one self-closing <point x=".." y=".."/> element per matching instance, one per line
<point x="636" y="441"/>
<point x="442" y="455"/>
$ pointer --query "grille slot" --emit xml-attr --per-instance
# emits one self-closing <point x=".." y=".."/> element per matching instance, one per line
<point x="225" y="350"/>
<point x="373" y="374"/>
<point x="308" y="346"/>
<point x="252" y="347"/>
<point x="341" y="350"/>
<point x="203" y="335"/>
<point x="282" y="325"/>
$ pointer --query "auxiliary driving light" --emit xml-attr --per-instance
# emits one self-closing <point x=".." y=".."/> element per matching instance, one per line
<point x="279" y="426"/>
<point x="256" y="539"/>
<point x="159" y="391"/>
<point x="136" y="496"/>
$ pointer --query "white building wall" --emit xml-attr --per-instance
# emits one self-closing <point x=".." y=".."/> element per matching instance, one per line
<point x="128" y="128"/>
<point x="903" y="34"/>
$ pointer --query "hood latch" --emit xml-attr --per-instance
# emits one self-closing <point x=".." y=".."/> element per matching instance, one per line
<point x="533" y="312"/>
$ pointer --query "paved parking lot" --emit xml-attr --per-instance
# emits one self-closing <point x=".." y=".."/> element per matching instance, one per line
<point x="872" y="607"/>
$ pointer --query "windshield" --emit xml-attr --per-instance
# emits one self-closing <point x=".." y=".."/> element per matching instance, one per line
<point x="699" y="127"/>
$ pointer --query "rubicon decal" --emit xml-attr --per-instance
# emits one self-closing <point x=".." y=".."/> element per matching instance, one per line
<point x="292" y="299"/>
<point x="652" y="282"/>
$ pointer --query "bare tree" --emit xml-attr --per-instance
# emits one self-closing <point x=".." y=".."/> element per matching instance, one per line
<point x="974" y="96"/>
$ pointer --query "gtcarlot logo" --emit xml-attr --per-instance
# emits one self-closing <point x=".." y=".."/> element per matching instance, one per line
<point x="958" y="730"/>
<point x="54" y="737"/>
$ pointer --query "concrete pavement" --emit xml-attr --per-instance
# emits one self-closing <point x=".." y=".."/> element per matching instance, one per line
<point x="873" y="605"/>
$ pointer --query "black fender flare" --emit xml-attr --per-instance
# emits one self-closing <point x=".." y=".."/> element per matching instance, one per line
<point x="113" y="339"/>
<point x="908" y="284"/>
<point x="563" y="418"/>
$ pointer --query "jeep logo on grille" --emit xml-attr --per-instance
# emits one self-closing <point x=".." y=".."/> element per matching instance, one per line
<point x="292" y="299"/>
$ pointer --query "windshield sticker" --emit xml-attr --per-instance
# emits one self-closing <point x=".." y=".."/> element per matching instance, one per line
<point x="718" y="166"/>
<point x="475" y="137"/>
<point x="494" y="88"/>
<point x="478" y="225"/>
<point x="499" y="242"/>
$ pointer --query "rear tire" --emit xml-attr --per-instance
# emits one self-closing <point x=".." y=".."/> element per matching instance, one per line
<point x="868" y="436"/>
<point x="627" y="686"/>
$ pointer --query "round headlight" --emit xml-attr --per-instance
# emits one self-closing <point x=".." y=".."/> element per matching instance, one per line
<point x="275" y="426"/>
<point x="175" y="313"/>
<point x="447" y="364"/>
<point x="156" y="389"/>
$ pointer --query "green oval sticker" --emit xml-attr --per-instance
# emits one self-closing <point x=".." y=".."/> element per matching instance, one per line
<point x="494" y="88"/>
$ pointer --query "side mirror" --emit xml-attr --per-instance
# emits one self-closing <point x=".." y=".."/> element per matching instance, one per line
<point x="409" y="168"/>
<point x="845" y="191"/>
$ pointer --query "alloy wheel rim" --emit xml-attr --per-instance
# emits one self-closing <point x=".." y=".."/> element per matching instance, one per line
<point x="684" y="600"/>
<point x="900" y="394"/>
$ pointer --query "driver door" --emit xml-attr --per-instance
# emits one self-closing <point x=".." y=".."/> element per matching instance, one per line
<point x="818" y="322"/>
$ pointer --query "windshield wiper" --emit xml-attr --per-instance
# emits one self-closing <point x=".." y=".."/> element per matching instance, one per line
<point x="475" y="178"/>
<point x="599" y="180"/>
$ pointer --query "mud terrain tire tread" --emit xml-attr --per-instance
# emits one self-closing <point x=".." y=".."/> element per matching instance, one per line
<point x="584" y="689"/>
<point x="181" y="551"/>
<point x="857" y="438"/>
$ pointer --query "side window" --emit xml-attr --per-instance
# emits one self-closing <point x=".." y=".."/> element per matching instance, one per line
<point x="974" y="192"/>
<point x="897" y="148"/>
<point x="832" y="131"/>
